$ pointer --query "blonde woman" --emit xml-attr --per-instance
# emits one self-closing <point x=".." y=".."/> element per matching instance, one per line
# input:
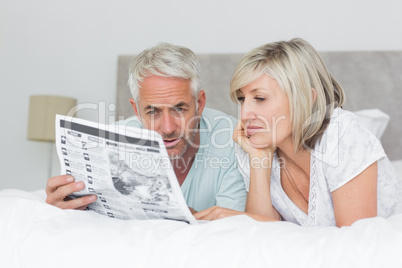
<point x="304" y="159"/>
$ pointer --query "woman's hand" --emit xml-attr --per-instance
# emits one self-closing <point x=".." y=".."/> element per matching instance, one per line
<point x="239" y="136"/>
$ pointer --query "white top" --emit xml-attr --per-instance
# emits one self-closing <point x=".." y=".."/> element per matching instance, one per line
<point x="346" y="149"/>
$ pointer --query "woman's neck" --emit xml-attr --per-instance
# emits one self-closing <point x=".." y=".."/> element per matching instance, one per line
<point x="301" y="157"/>
<point x="295" y="176"/>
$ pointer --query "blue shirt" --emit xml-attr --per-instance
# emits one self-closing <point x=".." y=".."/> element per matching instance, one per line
<point x="213" y="179"/>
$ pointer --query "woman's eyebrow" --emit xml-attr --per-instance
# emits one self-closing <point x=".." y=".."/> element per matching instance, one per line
<point x="259" y="89"/>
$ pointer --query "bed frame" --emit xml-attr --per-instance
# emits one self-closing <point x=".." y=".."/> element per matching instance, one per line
<point x="371" y="79"/>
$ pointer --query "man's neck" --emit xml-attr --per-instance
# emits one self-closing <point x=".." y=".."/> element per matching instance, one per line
<point x="183" y="165"/>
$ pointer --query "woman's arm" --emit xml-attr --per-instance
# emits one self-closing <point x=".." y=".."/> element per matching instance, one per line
<point x="258" y="200"/>
<point x="259" y="196"/>
<point x="357" y="199"/>
<point x="258" y="203"/>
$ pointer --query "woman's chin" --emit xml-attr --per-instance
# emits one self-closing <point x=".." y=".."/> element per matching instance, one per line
<point x="258" y="144"/>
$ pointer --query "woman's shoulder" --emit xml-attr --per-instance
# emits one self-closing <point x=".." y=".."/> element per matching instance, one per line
<point x="346" y="148"/>
<point x="343" y="118"/>
<point x="345" y="124"/>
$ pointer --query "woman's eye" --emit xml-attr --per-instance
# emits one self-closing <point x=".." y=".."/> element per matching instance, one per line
<point x="258" y="99"/>
<point x="240" y="99"/>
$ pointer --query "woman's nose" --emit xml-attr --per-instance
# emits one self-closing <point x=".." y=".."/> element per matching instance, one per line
<point x="247" y="111"/>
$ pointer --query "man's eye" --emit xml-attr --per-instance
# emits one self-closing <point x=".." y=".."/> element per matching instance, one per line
<point x="177" y="109"/>
<point x="240" y="99"/>
<point x="151" y="112"/>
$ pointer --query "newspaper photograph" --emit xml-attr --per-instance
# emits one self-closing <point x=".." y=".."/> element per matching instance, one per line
<point x="127" y="168"/>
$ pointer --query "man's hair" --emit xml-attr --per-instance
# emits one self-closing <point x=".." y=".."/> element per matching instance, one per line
<point x="297" y="67"/>
<point x="165" y="60"/>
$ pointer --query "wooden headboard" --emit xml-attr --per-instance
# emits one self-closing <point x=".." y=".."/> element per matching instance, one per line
<point x="371" y="79"/>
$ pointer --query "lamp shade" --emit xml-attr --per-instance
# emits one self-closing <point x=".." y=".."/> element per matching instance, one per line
<point x="42" y="115"/>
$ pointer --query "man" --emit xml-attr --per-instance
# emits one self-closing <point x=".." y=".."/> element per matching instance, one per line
<point x="165" y="86"/>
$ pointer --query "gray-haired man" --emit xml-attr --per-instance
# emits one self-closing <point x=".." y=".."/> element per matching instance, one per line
<point x="167" y="97"/>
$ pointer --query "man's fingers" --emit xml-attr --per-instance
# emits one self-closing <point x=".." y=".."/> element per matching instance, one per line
<point x="193" y="211"/>
<point x="56" y="182"/>
<point x="201" y="214"/>
<point x="62" y="191"/>
<point x="78" y="203"/>
<point x="58" y="188"/>
<point x="215" y="213"/>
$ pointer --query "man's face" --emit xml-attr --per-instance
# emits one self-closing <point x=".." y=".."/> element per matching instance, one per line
<point x="167" y="106"/>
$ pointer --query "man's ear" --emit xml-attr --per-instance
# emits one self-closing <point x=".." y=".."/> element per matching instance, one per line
<point x="135" y="107"/>
<point x="314" y="94"/>
<point x="201" y="102"/>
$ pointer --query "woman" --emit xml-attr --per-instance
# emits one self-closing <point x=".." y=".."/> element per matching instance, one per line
<point x="309" y="161"/>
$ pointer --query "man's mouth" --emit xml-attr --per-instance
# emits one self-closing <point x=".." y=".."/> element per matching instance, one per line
<point x="171" y="142"/>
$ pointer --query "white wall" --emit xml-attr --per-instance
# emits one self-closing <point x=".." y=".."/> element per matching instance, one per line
<point x="70" y="48"/>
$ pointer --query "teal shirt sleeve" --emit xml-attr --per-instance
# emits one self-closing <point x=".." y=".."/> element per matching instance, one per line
<point x="232" y="193"/>
<point x="214" y="178"/>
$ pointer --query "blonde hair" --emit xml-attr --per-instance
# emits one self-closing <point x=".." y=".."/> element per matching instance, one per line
<point x="297" y="67"/>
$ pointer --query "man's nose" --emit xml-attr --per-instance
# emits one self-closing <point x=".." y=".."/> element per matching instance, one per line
<point x="168" y="124"/>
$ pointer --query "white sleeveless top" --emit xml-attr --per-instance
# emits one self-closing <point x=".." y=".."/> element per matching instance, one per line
<point x="345" y="150"/>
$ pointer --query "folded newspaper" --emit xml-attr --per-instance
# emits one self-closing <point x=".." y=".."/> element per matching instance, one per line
<point x="127" y="168"/>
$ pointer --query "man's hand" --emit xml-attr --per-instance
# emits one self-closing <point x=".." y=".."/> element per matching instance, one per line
<point x="193" y="211"/>
<point x="59" y="187"/>
<point x="215" y="213"/>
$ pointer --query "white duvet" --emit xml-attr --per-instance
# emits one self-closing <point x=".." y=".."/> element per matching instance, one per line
<point x="34" y="234"/>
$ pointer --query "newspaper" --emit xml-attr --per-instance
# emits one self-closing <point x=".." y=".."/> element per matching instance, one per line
<point x="127" y="168"/>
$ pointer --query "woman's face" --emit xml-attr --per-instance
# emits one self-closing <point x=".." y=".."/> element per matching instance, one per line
<point x="265" y="113"/>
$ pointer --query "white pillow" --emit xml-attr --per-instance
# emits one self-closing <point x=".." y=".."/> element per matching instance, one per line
<point x="375" y="120"/>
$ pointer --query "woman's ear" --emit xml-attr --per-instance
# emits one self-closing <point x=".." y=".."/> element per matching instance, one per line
<point x="313" y="94"/>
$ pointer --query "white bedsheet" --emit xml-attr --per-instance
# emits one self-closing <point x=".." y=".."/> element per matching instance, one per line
<point x="34" y="234"/>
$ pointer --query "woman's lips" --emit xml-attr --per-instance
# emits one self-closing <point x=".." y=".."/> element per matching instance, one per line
<point x="171" y="143"/>
<point x="252" y="129"/>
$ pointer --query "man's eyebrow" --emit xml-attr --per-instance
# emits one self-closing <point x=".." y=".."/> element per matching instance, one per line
<point x="181" y="104"/>
<point x="150" y="107"/>
<point x="178" y="105"/>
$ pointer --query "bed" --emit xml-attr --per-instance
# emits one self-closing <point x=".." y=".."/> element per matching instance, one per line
<point x="34" y="234"/>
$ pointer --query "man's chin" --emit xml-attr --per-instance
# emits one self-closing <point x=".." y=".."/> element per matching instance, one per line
<point x="174" y="156"/>
<point x="175" y="153"/>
